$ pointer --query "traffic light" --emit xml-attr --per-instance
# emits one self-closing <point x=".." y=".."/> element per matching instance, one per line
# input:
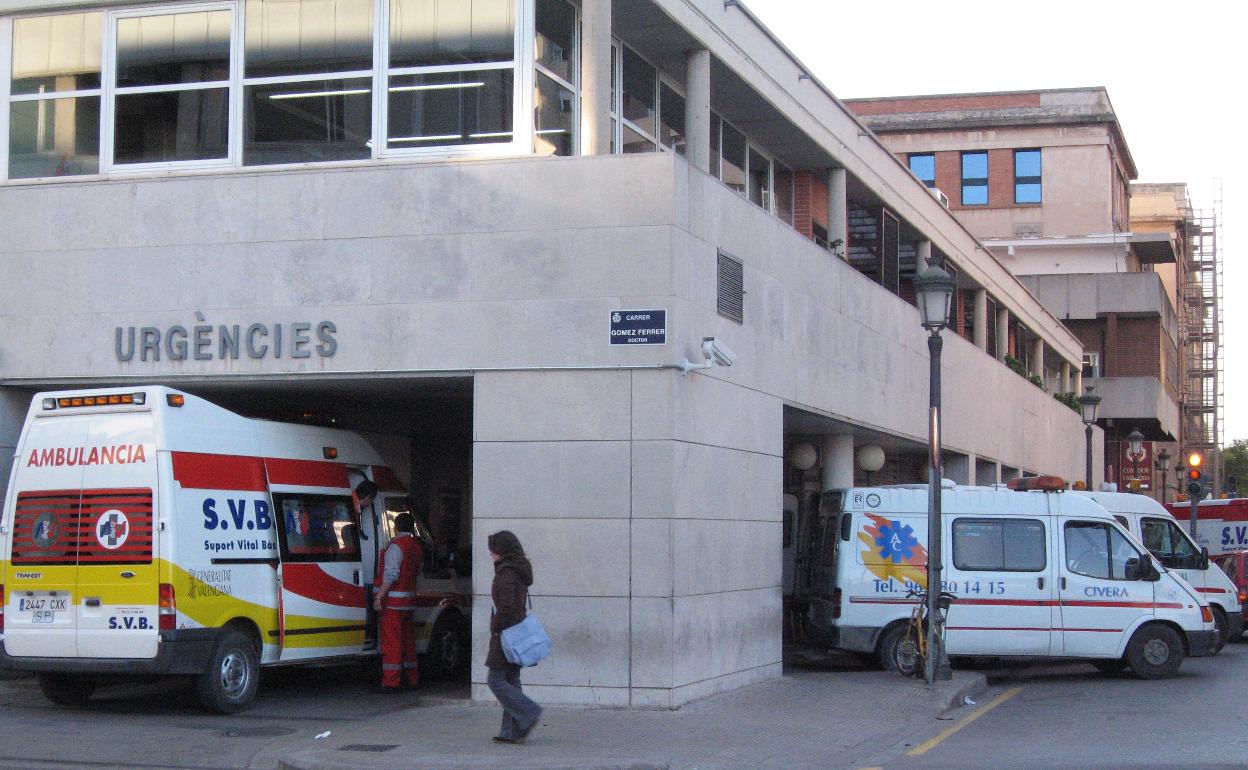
<point x="1194" y="478"/>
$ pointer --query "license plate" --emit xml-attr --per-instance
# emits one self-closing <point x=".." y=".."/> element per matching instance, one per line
<point x="43" y="609"/>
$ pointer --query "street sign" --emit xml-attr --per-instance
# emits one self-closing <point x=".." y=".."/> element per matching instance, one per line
<point x="638" y="327"/>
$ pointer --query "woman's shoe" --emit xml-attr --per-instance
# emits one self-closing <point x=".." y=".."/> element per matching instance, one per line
<point x="501" y="739"/>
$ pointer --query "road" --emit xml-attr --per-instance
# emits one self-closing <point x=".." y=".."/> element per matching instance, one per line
<point x="159" y="724"/>
<point x="1069" y="716"/>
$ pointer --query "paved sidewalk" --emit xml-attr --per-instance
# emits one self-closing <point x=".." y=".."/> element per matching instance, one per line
<point x="827" y="719"/>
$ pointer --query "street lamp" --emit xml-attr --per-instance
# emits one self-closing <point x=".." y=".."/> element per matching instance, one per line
<point x="1087" y="412"/>
<point x="1163" y="465"/>
<point x="934" y="288"/>
<point x="1135" y="447"/>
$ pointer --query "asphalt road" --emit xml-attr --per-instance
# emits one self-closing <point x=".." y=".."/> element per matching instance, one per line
<point x="1070" y="716"/>
<point x="159" y="724"/>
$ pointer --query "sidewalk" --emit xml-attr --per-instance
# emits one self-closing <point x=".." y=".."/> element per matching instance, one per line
<point x="808" y="718"/>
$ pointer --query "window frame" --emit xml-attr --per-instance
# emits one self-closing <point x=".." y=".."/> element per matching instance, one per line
<point x="953" y="532"/>
<point x="1038" y="181"/>
<point x="1110" y="529"/>
<point x="974" y="181"/>
<point x="931" y="185"/>
<point x="283" y="548"/>
<point x="539" y="68"/>
<point x="1091" y="360"/>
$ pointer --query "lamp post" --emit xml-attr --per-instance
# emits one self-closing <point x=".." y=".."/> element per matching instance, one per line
<point x="1088" y="403"/>
<point x="1163" y="465"/>
<point x="1135" y="447"/>
<point x="934" y="290"/>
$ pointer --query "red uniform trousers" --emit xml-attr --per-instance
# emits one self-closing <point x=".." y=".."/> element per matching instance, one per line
<point x="398" y="649"/>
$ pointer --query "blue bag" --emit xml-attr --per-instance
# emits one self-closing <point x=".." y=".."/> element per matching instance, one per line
<point x="525" y="643"/>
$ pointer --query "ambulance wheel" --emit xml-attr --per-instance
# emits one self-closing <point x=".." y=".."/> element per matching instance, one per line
<point x="1155" y="652"/>
<point x="1221" y="629"/>
<point x="64" y="690"/>
<point x="448" y="650"/>
<point x="229" y="684"/>
<point x="886" y="652"/>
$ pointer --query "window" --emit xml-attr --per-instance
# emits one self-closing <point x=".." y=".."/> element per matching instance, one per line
<point x="733" y="154"/>
<point x="1026" y="176"/>
<point x="307" y="94"/>
<point x="760" y="179"/>
<point x="172" y="87"/>
<point x="317" y="528"/>
<point x="716" y="128"/>
<point x="671" y="118"/>
<point x="923" y="165"/>
<point x="639" y="105"/>
<point x="1091" y="365"/>
<point x="1008" y="545"/>
<point x="555" y="94"/>
<point x="974" y="178"/>
<point x="1098" y="550"/>
<point x="1169" y="544"/>
<point x="54" y="107"/>
<point x="783" y="184"/>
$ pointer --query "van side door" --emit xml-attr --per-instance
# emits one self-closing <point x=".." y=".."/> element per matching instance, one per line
<point x="1099" y="600"/>
<point x="999" y="568"/>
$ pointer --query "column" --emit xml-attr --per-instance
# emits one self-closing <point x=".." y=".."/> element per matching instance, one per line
<point x="1037" y="360"/>
<point x="838" y="212"/>
<point x="698" y="109"/>
<point x="980" y="332"/>
<point x="1064" y="386"/>
<point x="922" y="254"/>
<point x="596" y="78"/>
<point x="1003" y="333"/>
<point x="1078" y="387"/>
<point x="837" y="462"/>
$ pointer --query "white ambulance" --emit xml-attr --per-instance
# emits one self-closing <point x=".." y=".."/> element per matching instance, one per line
<point x="1036" y="573"/>
<point x="1157" y="529"/>
<point x="148" y="531"/>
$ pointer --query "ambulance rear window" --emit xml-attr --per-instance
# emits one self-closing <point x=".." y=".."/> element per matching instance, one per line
<point x="317" y="528"/>
<point x="83" y="526"/>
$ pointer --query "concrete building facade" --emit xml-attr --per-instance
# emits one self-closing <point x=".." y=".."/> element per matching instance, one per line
<point x="422" y="221"/>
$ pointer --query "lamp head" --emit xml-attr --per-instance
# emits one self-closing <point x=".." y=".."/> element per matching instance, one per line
<point x="933" y="289"/>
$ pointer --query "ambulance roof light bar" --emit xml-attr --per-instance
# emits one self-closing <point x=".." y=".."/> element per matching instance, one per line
<point x="1038" y="483"/>
<point x="111" y="399"/>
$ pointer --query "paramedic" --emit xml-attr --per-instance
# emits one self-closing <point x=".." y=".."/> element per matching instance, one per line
<point x="395" y="600"/>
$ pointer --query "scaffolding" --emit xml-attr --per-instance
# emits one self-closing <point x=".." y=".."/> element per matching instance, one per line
<point x="1201" y="322"/>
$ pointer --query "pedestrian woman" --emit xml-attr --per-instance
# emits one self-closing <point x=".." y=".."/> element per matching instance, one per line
<point x="513" y="574"/>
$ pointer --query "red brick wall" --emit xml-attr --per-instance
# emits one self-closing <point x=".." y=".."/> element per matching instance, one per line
<point x="801" y="203"/>
<point x="949" y="176"/>
<point x="942" y="103"/>
<point x="1139" y="348"/>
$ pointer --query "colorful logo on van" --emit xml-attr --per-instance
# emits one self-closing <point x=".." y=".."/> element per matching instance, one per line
<point x="112" y="529"/>
<point x="46" y="531"/>
<point x="890" y="550"/>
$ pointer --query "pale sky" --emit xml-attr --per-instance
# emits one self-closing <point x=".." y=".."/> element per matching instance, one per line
<point x="1169" y="69"/>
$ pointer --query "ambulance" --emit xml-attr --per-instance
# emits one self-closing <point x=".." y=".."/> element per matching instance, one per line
<point x="1157" y="529"/>
<point x="1039" y="573"/>
<point x="148" y="531"/>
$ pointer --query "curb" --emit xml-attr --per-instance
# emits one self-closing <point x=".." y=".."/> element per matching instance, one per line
<point x="323" y="760"/>
<point x="977" y="684"/>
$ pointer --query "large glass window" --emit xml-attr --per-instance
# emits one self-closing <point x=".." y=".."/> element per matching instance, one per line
<point x="54" y="110"/>
<point x="923" y="165"/>
<point x="974" y="178"/>
<point x="555" y="86"/>
<point x="308" y="87"/>
<point x="1027" y="176"/>
<point x="760" y="179"/>
<point x="733" y="155"/>
<point x="172" y="98"/>
<point x="1099" y="550"/>
<point x="451" y="71"/>
<point x="783" y="184"/>
<point x="317" y="528"/>
<point x="671" y="118"/>
<point x="1009" y="545"/>
<point x="1169" y="544"/>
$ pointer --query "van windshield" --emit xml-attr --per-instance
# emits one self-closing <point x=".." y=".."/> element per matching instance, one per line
<point x="1171" y="545"/>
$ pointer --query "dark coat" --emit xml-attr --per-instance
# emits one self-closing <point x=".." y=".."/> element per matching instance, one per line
<point x="512" y="577"/>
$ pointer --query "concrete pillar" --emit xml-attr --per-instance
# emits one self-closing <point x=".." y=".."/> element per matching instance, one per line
<point x="837" y="461"/>
<point x="1037" y="360"/>
<point x="1003" y="333"/>
<point x="838" y="212"/>
<point x="698" y="109"/>
<point x="922" y="254"/>
<point x="1078" y="387"/>
<point x="596" y="78"/>
<point x="1064" y="386"/>
<point x="958" y="467"/>
<point x="980" y="332"/>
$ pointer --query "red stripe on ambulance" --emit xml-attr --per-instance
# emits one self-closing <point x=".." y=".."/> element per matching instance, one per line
<point x="307" y="473"/>
<point x="194" y="470"/>
<point x="312" y="582"/>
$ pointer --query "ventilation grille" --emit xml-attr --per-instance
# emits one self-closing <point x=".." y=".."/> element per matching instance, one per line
<point x="731" y="288"/>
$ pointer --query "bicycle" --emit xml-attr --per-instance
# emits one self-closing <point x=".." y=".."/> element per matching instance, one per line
<point x="910" y="655"/>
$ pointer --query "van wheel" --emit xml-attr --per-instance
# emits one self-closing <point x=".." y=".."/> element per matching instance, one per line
<point x="64" y="690"/>
<point x="229" y="684"/>
<point x="1155" y="652"/>
<point x="447" y="648"/>
<point x="1221" y="629"/>
<point x="886" y="651"/>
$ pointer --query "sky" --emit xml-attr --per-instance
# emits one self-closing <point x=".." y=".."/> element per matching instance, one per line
<point x="1169" y="70"/>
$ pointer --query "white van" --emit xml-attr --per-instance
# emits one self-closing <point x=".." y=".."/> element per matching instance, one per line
<point x="147" y="531"/>
<point x="1157" y="529"/>
<point x="1036" y="574"/>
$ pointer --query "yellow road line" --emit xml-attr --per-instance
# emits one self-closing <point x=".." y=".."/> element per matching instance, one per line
<point x="923" y="748"/>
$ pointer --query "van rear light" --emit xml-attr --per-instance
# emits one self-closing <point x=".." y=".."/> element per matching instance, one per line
<point x="1206" y="614"/>
<point x="1" y="608"/>
<point x="1243" y="596"/>
<point x="836" y="603"/>
<point x="168" y="608"/>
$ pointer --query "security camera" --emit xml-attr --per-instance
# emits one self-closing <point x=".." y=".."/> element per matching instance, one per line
<point x="716" y="351"/>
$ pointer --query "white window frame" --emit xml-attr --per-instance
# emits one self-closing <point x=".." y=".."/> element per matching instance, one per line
<point x="769" y="195"/>
<point x="671" y="83"/>
<point x="6" y="67"/>
<point x="574" y="87"/>
<point x="108" y="109"/>
<point x="617" y="103"/>
<point x="1092" y="360"/>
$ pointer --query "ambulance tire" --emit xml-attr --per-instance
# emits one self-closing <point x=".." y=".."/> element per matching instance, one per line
<point x="1221" y="629"/>
<point x="886" y="650"/>
<point x="448" y="647"/>
<point x="65" y="689"/>
<point x="1155" y="652"/>
<point x="229" y="684"/>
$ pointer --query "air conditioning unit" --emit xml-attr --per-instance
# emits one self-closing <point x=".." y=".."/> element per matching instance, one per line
<point x="940" y="196"/>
